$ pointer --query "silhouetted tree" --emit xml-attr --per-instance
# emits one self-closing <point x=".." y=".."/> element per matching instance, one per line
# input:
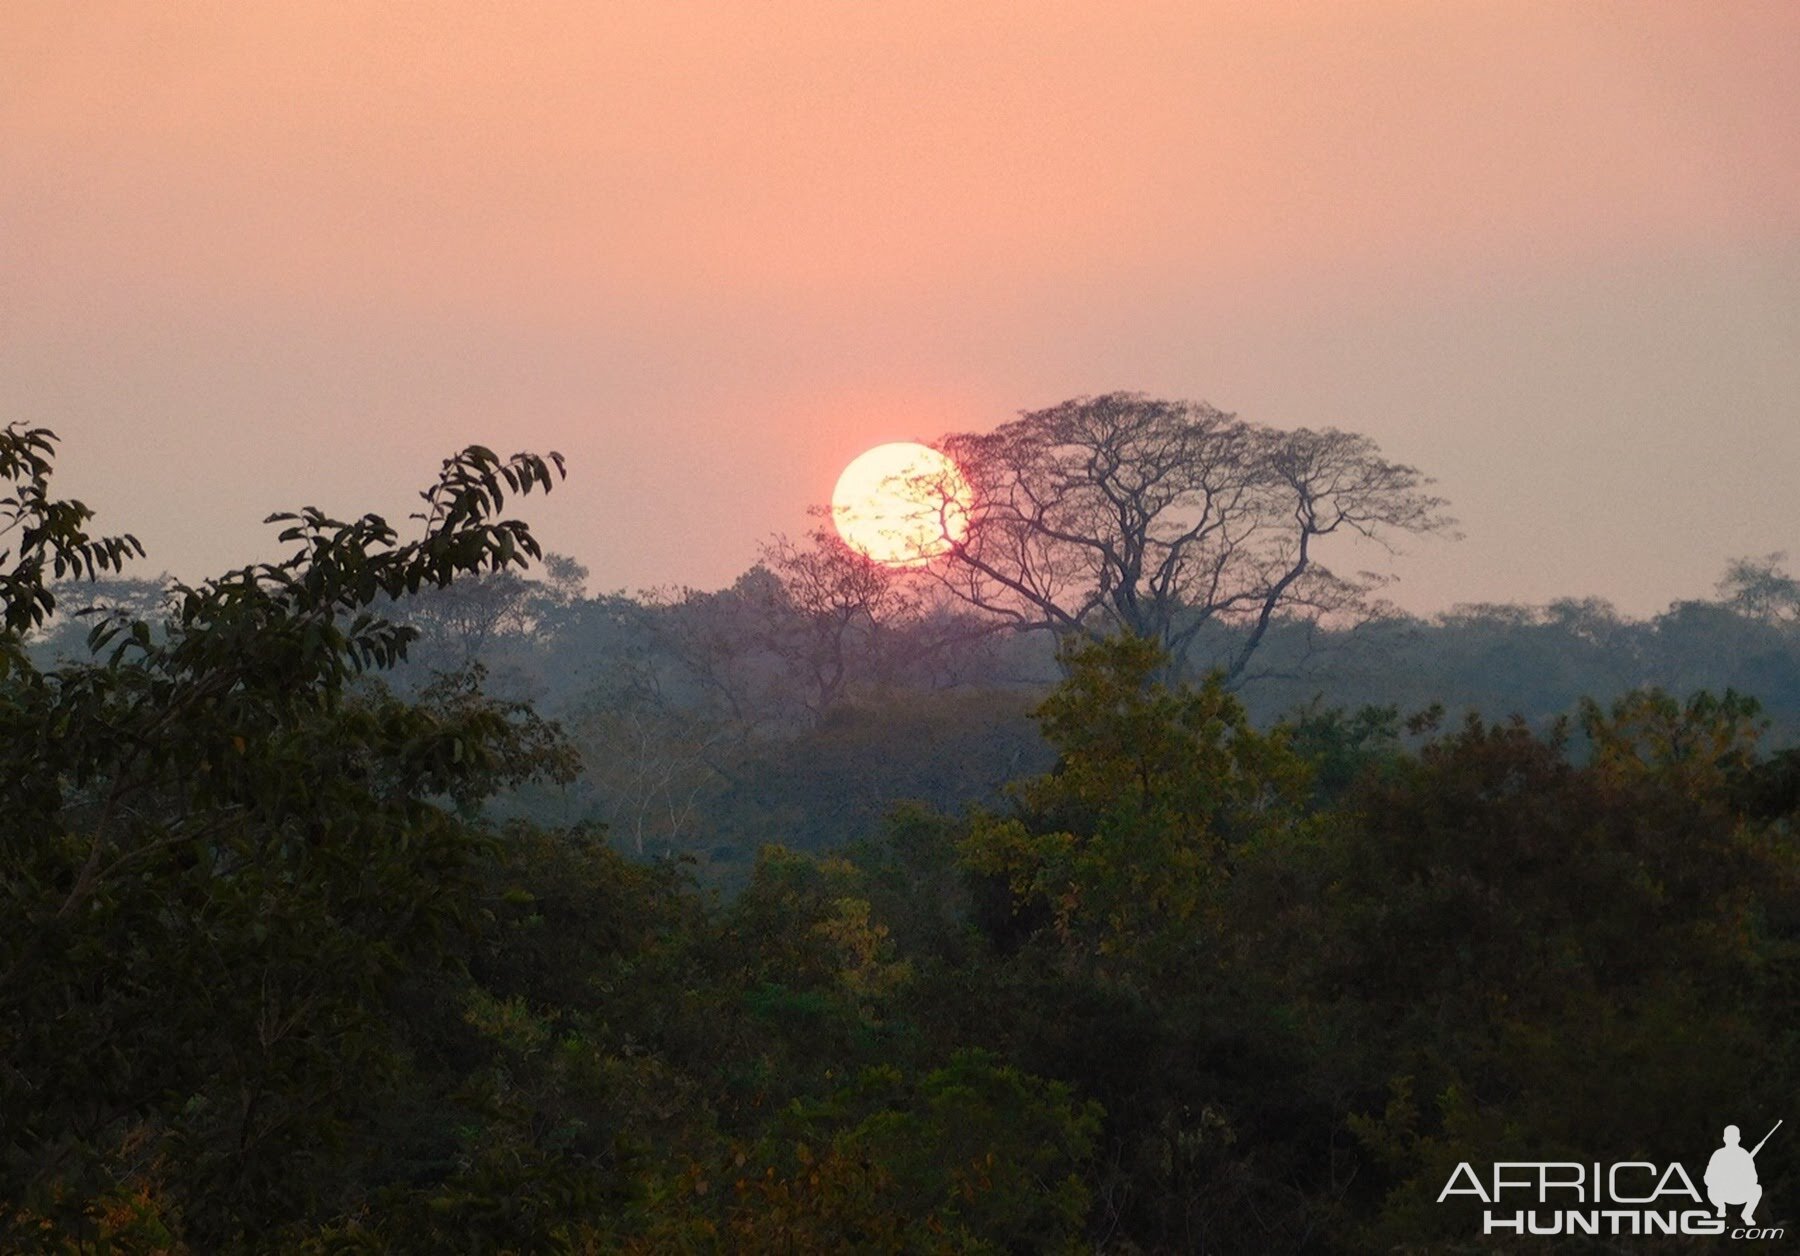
<point x="1158" y="518"/>
<point x="840" y="616"/>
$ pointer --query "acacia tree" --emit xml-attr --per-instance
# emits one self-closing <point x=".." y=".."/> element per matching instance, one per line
<point x="1160" y="518"/>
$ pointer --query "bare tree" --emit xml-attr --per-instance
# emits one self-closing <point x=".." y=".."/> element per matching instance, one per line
<point x="1124" y="512"/>
<point x="840" y="618"/>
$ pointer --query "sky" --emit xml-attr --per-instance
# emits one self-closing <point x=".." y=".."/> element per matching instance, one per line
<point x="257" y="256"/>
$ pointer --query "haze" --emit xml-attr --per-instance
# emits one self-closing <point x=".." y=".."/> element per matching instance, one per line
<point x="262" y="256"/>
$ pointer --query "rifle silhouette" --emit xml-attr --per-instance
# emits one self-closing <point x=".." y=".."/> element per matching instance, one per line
<point x="1765" y="1138"/>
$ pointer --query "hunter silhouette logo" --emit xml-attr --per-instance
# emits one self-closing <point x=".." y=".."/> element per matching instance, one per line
<point x="1731" y="1175"/>
<point x="1635" y="1197"/>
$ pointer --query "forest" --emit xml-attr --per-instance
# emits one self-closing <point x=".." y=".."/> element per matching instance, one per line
<point x="400" y="894"/>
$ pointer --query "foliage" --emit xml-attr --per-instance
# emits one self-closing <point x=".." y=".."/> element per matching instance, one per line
<point x="275" y="977"/>
<point x="1123" y="841"/>
<point x="1564" y="956"/>
<point x="51" y="541"/>
<point x="220" y="858"/>
<point x="1762" y="589"/>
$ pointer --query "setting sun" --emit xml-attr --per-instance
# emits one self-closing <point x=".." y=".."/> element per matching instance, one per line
<point x="902" y="504"/>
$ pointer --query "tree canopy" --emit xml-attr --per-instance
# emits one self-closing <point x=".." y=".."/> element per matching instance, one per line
<point x="277" y="974"/>
<point x="1125" y="513"/>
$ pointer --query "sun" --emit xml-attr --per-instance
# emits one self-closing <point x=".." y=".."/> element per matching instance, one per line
<point x="902" y="504"/>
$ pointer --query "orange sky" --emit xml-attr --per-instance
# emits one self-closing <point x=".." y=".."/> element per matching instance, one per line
<point x="260" y="255"/>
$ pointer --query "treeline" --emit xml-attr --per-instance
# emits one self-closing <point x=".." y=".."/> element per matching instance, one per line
<point x="817" y="690"/>
<point x="273" y="979"/>
<point x="787" y="709"/>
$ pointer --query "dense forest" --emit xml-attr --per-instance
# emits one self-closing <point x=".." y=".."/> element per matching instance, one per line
<point x="399" y="894"/>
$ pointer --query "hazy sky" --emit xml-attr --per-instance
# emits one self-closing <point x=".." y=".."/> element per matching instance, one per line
<point x="255" y="256"/>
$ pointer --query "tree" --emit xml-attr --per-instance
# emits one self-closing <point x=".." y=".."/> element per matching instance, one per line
<point x="786" y="641"/>
<point x="1119" y="848"/>
<point x="1548" y="952"/>
<point x="1158" y="518"/>
<point x="79" y="602"/>
<point x="221" y="856"/>
<point x="1762" y="589"/>
<point x="649" y="762"/>
<point x="840" y="615"/>
<point x="475" y="619"/>
<point x="51" y="538"/>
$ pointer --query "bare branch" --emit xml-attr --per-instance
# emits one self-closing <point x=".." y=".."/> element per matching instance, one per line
<point x="1127" y="513"/>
